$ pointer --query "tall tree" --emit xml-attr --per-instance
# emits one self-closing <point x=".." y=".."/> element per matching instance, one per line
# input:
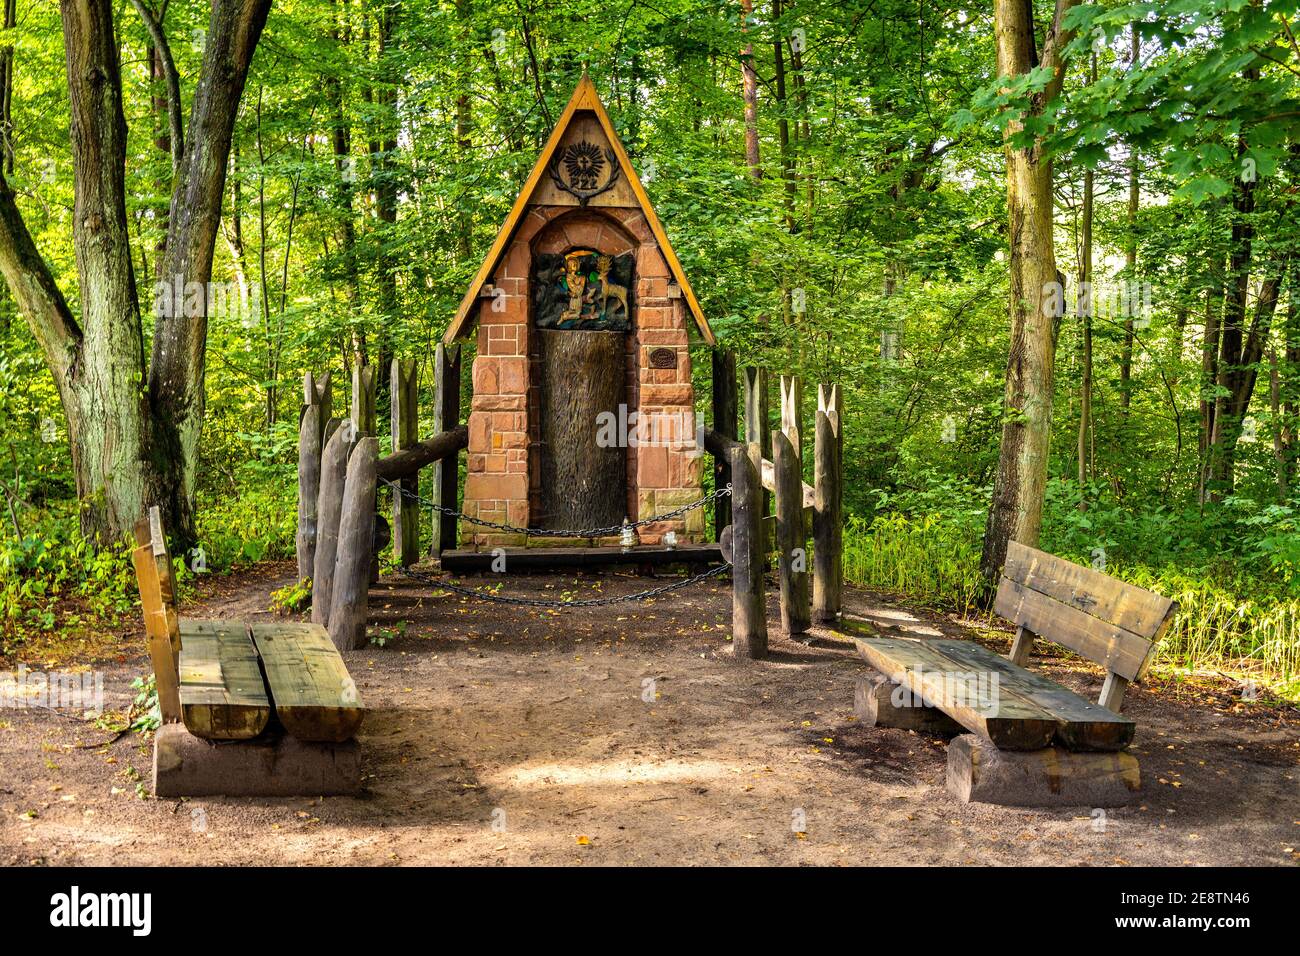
<point x="1017" y="507"/>
<point x="134" y="429"/>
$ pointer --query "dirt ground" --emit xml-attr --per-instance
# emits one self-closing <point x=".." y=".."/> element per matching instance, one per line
<point x="627" y="735"/>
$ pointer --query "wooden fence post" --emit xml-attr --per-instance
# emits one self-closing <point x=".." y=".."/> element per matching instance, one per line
<point x="828" y="510"/>
<point x="756" y="431"/>
<point x="404" y="407"/>
<point x="724" y="423"/>
<point x="363" y="400"/>
<point x="792" y="411"/>
<point x="309" y="433"/>
<point x="153" y="570"/>
<point x="356" y="547"/>
<point x="329" y="509"/>
<point x="446" y="472"/>
<point x="748" y="603"/>
<point x="791" y="539"/>
<point x="319" y="391"/>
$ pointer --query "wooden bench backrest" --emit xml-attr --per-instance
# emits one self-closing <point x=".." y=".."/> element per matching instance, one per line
<point x="153" y="572"/>
<point x="1093" y="614"/>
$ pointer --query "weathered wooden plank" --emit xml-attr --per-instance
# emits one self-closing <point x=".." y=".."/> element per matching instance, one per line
<point x="724" y="423"/>
<point x="1005" y="717"/>
<point x="405" y="416"/>
<point x="791" y="537"/>
<point x="1099" y="641"/>
<point x="311" y="690"/>
<point x="1081" y="724"/>
<point x="446" y="471"/>
<point x="221" y="689"/>
<point x="748" y="604"/>
<point x="152" y="561"/>
<point x="1099" y="595"/>
<point x="351" y="585"/>
<point x="329" y="510"/>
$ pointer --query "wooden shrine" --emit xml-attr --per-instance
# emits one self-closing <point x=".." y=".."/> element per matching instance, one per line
<point x="583" y="412"/>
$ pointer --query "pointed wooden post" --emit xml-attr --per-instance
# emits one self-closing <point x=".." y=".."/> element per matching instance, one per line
<point x="724" y="423"/>
<point x="828" y="509"/>
<point x="792" y="411"/>
<point x="748" y="602"/>
<point x="329" y="510"/>
<point x="309" y="432"/>
<point x="319" y="391"/>
<point x="363" y="400"/>
<point x="351" y="585"/>
<point x="446" y="471"/>
<point x="404" y="407"/>
<point x="791" y="538"/>
<point x="756" y="431"/>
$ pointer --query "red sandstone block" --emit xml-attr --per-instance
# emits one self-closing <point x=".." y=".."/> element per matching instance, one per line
<point x="499" y="403"/>
<point x="650" y="263"/>
<point x="531" y="225"/>
<point x="513" y="375"/>
<point x="583" y="231"/>
<point x="652" y="287"/>
<point x="517" y="261"/>
<point x="668" y="394"/>
<point x="496" y="487"/>
<point x="513" y="440"/>
<point x="652" y="467"/>
<point x="480" y="430"/>
<point x="636" y="224"/>
<point x="494" y="464"/>
<point x="485" y="375"/>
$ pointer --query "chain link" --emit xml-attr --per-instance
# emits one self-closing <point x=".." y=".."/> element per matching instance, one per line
<point x="427" y="578"/>
<point x="609" y="532"/>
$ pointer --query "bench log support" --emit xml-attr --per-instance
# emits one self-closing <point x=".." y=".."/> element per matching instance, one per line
<point x="979" y="772"/>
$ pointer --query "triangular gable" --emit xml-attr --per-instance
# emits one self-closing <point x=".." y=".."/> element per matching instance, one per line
<point x="584" y="98"/>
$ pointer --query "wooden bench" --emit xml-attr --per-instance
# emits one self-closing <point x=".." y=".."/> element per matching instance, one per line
<point x="951" y="685"/>
<point x="280" y="689"/>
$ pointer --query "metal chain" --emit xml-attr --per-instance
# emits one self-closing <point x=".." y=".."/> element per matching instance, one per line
<point x="426" y="578"/>
<point x="609" y="532"/>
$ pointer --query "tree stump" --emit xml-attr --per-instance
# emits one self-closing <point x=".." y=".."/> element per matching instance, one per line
<point x="583" y="465"/>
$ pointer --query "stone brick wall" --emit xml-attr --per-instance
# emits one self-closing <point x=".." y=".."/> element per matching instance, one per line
<point x="506" y="396"/>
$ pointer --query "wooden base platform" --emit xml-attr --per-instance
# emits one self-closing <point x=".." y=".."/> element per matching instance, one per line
<point x="546" y="559"/>
<point x="271" y="765"/>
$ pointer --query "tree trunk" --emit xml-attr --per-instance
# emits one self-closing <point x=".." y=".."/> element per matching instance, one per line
<point x="750" y="83"/>
<point x="1130" y="261"/>
<point x="1017" y="506"/>
<point x="178" y="362"/>
<point x="1085" y="300"/>
<point x="584" y="474"/>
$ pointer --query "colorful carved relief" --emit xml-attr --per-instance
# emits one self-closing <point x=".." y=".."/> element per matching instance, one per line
<point x="582" y="289"/>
